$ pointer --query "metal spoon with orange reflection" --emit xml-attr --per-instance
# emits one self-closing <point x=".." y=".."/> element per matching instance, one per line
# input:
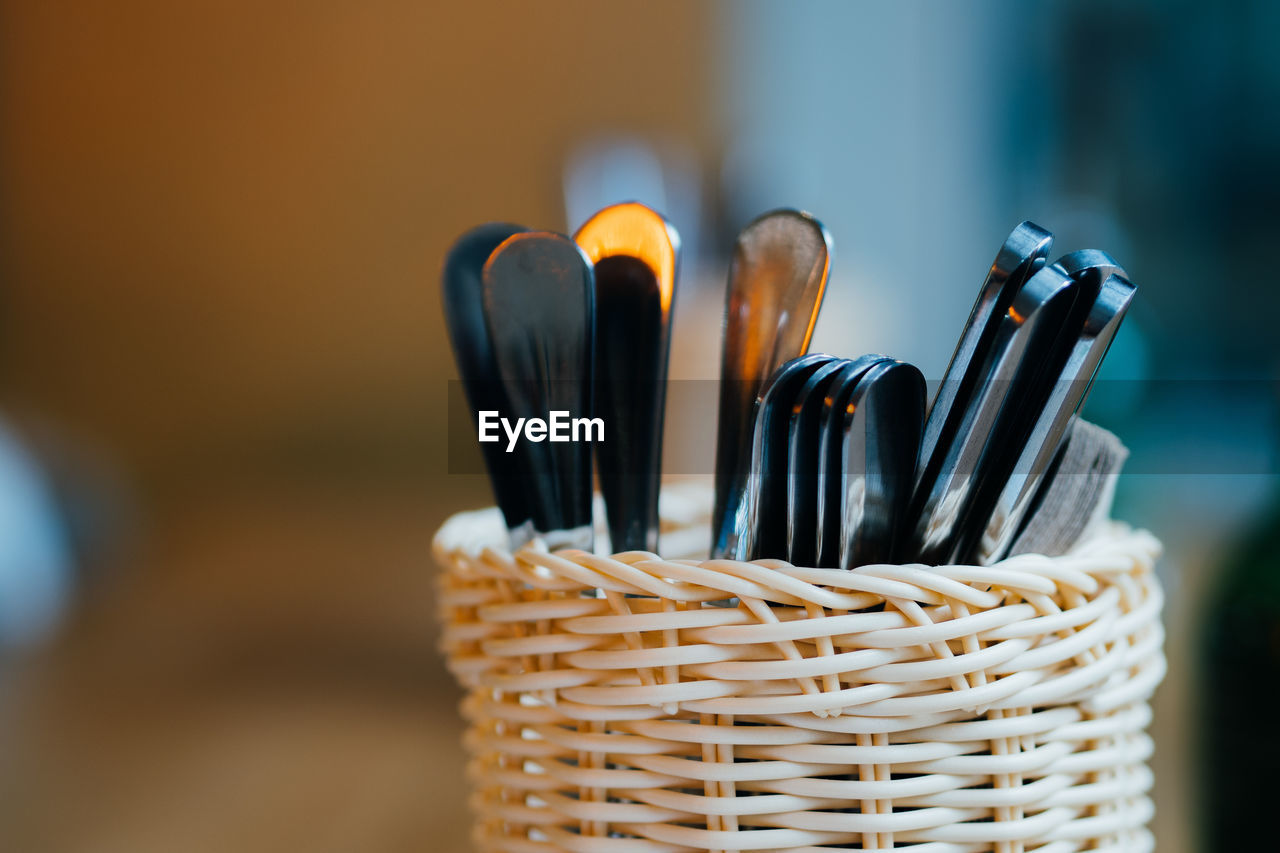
<point x="635" y="252"/>
<point x="776" y="281"/>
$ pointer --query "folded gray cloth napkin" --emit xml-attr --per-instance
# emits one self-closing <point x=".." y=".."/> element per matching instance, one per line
<point x="1078" y="494"/>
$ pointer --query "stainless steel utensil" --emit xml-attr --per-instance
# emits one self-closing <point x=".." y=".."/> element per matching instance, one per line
<point x="882" y="426"/>
<point x="1023" y="253"/>
<point x="837" y="400"/>
<point x="1064" y="391"/>
<point x="539" y="304"/>
<point x="1025" y="333"/>
<point x="635" y="253"/>
<point x="761" y="530"/>
<point x="804" y="433"/>
<point x="461" y="293"/>
<point x="776" y="281"/>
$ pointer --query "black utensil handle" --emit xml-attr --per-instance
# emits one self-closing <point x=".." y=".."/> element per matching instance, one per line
<point x="763" y="533"/>
<point x="462" y="297"/>
<point x="539" y="304"/>
<point x="630" y="388"/>
<point x="829" y="530"/>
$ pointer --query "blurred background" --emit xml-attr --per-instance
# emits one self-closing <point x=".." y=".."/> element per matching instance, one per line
<point x="223" y="370"/>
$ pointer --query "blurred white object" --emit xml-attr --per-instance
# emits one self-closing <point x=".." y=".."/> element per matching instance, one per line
<point x="35" y="553"/>
<point x="608" y="169"/>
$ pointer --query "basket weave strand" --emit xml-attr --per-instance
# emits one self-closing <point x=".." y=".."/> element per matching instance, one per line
<point x="611" y="706"/>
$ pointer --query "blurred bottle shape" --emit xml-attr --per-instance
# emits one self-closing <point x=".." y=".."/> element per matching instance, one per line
<point x="1240" y="669"/>
<point x="36" y="561"/>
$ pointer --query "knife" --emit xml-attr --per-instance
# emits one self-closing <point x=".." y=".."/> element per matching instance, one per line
<point x="1026" y="332"/>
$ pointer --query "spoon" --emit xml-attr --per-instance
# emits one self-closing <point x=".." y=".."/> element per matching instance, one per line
<point x="1024" y="334"/>
<point x="828" y="468"/>
<point x="804" y="432"/>
<point x="635" y="252"/>
<point x="539" y="305"/>
<point x="473" y="352"/>
<point x="776" y="281"/>
<point x="762" y="533"/>
<point x="882" y="426"/>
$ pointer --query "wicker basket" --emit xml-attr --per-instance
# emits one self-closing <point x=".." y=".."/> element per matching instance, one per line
<point x="613" y="707"/>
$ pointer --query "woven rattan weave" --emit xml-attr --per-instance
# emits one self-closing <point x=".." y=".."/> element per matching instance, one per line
<point x="613" y="707"/>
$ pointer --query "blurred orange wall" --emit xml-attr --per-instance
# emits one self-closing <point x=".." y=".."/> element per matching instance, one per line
<point x="221" y="222"/>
